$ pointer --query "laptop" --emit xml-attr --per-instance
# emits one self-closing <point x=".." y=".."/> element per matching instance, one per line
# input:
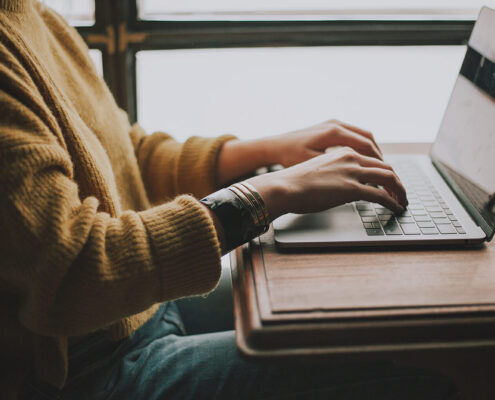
<point x="450" y="191"/>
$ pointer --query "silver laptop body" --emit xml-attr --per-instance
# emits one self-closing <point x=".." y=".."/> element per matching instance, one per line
<point x="450" y="192"/>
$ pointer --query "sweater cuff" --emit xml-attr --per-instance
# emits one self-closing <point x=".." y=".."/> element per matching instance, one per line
<point x="197" y="165"/>
<point x="185" y="247"/>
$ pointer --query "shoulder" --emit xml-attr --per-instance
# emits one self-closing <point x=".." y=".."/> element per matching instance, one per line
<point x="60" y="28"/>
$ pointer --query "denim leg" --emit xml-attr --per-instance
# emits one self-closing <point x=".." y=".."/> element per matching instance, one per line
<point x="170" y="366"/>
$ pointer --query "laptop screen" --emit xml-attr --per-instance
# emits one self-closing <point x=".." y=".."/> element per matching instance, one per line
<point x="464" y="150"/>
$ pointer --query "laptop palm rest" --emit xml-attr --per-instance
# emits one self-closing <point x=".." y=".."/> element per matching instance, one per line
<point x="338" y="224"/>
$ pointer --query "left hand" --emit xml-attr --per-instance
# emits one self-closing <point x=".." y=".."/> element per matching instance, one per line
<point x="240" y="157"/>
<point x="295" y="147"/>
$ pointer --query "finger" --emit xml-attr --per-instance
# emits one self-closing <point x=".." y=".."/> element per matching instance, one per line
<point x="365" y="161"/>
<point x="386" y="178"/>
<point x="375" y="163"/>
<point x="358" y="142"/>
<point x="380" y="196"/>
<point x="362" y="132"/>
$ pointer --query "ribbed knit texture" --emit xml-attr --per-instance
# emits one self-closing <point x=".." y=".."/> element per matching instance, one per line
<point x="81" y="248"/>
<point x="14" y="5"/>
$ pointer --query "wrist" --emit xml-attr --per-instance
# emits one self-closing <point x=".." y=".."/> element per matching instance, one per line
<point x="239" y="214"/>
<point x="239" y="158"/>
<point x="274" y="193"/>
<point x="268" y="150"/>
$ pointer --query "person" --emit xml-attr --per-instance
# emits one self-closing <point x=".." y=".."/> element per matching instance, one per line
<point x="101" y="230"/>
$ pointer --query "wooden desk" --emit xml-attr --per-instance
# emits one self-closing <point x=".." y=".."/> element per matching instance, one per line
<point x="434" y="308"/>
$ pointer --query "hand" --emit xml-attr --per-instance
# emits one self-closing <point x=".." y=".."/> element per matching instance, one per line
<point x="295" y="147"/>
<point x="240" y="157"/>
<point x="329" y="180"/>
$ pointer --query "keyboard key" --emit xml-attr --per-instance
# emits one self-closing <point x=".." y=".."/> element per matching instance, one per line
<point x="368" y="225"/>
<point x="392" y="229"/>
<point x="448" y="211"/>
<point x="376" y="225"/>
<point x="457" y="224"/>
<point x="460" y="230"/>
<point x="452" y="217"/>
<point x="384" y="211"/>
<point x="429" y="231"/>
<point x="410" y="229"/>
<point x="363" y="207"/>
<point x="374" y="232"/>
<point x="422" y="218"/>
<point x="415" y="206"/>
<point x="436" y="214"/>
<point x="446" y="229"/>
<point x="441" y="221"/>
<point x="405" y="220"/>
<point x="426" y="225"/>
<point x="419" y="212"/>
<point x="434" y="209"/>
<point x="367" y="213"/>
<point x="369" y="219"/>
<point x="385" y="218"/>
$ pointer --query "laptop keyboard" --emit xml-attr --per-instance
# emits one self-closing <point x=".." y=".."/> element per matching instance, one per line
<point x="427" y="213"/>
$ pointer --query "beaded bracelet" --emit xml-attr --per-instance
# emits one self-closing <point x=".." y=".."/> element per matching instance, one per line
<point x="241" y="211"/>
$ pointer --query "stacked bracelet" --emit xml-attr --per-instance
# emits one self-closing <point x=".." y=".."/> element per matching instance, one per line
<point x="241" y="211"/>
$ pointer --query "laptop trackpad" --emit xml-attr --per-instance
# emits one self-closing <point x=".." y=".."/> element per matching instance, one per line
<point x="334" y="225"/>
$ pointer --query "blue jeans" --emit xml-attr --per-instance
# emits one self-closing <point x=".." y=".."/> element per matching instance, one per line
<point x="159" y="361"/>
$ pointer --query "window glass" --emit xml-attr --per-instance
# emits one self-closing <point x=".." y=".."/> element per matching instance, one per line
<point x="77" y="12"/>
<point x="96" y="56"/>
<point x="399" y="93"/>
<point x="310" y="9"/>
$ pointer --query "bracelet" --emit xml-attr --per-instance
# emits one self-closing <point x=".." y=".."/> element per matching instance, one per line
<point x="247" y="203"/>
<point x="241" y="211"/>
<point x="261" y="202"/>
<point x="256" y="202"/>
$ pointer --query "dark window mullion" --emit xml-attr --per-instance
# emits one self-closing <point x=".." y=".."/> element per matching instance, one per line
<point x="168" y="35"/>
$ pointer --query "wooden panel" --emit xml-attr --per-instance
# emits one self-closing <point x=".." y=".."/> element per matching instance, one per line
<point x="376" y="279"/>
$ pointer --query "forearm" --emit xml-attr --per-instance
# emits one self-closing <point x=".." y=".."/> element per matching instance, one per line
<point x="238" y="158"/>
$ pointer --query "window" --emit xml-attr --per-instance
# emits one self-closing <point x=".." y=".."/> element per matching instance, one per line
<point x="262" y="91"/>
<point x="261" y="67"/>
<point x="77" y="12"/>
<point x="96" y="57"/>
<point x="309" y="9"/>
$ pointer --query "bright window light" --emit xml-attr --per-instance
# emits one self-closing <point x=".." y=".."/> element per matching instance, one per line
<point x="398" y="92"/>
<point x="310" y="9"/>
<point x="76" y="12"/>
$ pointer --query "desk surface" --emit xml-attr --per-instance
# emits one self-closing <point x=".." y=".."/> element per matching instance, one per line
<point x="362" y="301"/>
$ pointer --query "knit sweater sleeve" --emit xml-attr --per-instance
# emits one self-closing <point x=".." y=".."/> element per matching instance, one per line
<point x="75" y="268"/>
<point x="170" y="168"/>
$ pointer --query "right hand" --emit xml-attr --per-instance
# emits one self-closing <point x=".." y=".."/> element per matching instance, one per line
<point x="340" y="176"/>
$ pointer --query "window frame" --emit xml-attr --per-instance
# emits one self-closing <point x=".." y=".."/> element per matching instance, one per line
<point x="119" y="34"/>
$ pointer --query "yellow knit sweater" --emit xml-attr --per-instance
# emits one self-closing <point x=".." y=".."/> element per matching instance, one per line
<point x="81" y="249"/>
